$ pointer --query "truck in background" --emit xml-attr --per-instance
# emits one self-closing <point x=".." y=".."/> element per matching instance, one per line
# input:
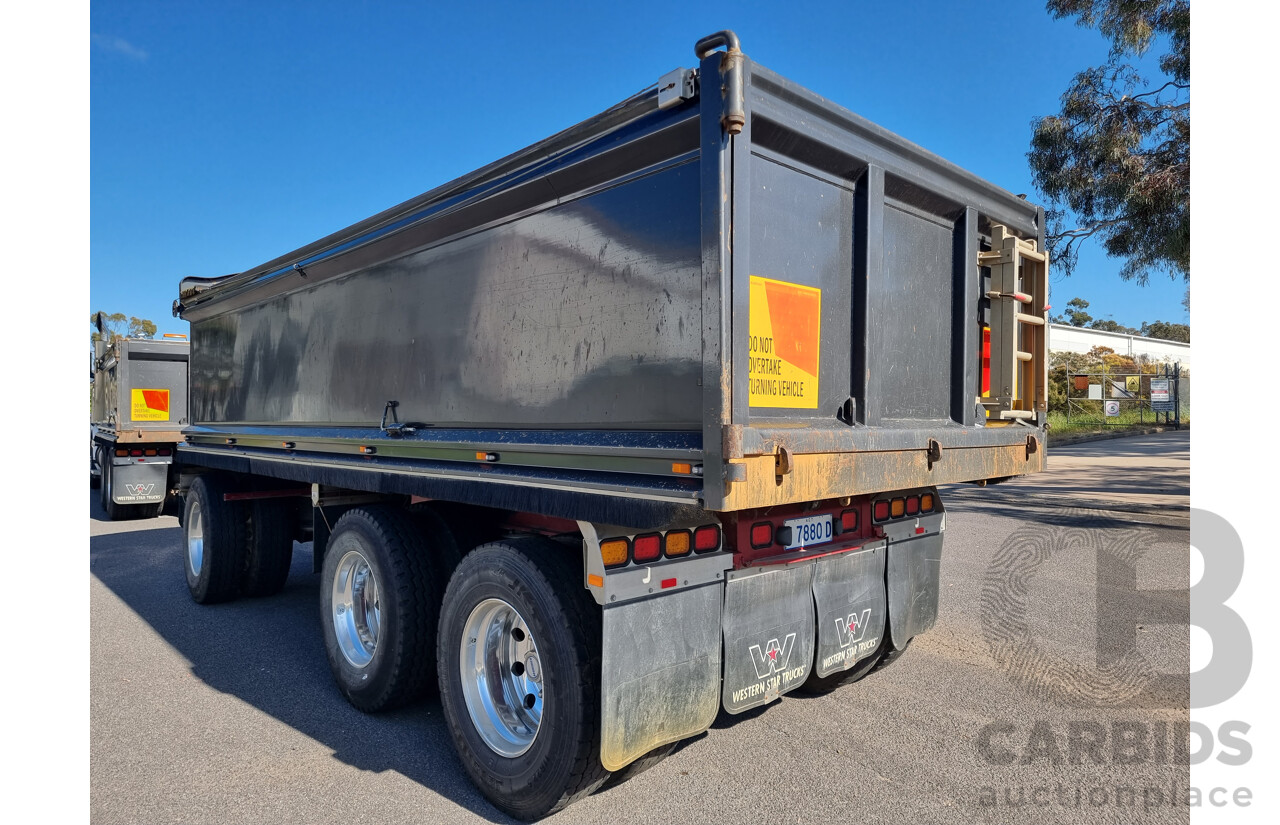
<point x="138" y="409"/>
<point x="641" y="423"/>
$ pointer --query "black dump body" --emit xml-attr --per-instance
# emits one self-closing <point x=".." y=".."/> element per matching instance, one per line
<point x="693" y="301"/>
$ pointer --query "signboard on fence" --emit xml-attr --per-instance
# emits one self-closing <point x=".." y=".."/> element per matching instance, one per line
<point x="1161" y="401"/>
<point x="1111" y="408"/>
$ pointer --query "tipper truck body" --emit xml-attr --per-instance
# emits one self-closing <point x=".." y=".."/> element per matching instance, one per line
<point x="137" y="412"/>
<point x="640" y="424"/>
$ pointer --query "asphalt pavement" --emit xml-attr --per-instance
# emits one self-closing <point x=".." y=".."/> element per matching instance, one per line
<point x="1019" y="705"/>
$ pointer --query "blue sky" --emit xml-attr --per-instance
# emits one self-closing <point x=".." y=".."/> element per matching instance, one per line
<point x="224" y="134"/>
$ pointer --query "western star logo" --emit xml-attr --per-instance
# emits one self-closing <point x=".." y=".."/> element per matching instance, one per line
<point x="852" y="629"/>
<point x="140" y="489"/>
<point x="773" y="659"/>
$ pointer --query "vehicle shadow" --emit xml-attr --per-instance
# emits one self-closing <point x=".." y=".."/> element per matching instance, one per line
<point x="269" y="653"/>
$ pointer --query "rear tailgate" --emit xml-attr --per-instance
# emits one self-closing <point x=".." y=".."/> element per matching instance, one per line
<point x="862" y="281"/>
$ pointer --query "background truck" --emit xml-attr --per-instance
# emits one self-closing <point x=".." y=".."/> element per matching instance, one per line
<point x="136" y="417"/>
<point x="641" y="424"/>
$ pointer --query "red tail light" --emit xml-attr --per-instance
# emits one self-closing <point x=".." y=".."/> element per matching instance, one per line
<point x="913" y="505"/>
<point x="848" y="521"/>
<point x="165" y="451"/>
<point x="706" y="539"/>
<point x="761" y="535"/>
<point x="135" y="452"/>
<point x="881" y="511"/>
<point x="646" y="548"/>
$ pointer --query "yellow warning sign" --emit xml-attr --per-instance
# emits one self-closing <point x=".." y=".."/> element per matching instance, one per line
<point x="785" y="329"/>
<point x="150" y="405"/>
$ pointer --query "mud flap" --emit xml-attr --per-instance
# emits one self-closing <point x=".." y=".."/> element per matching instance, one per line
<point x="913" y="577"/>
<point x="139" y="483"/>
<point x="849" y="594"/>
<point x="768" y="636"/>
<point x="660" y="673"/>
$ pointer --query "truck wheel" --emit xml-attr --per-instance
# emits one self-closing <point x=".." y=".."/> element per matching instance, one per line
<point x="268" y="548"/>
<point x="519" y="655"/>
<point x="115" y="512"/>
<point x="95" y="480"/>
<point x="641" y="765"/>
<point x="154" y="510"/>
<point x="213" y="532"/>
<point x="378" y="606"/>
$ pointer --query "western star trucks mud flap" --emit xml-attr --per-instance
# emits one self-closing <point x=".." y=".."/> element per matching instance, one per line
<point x="134" y="482"/>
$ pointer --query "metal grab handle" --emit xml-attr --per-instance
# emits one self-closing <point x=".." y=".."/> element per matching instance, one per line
<point x="711" y="42"/>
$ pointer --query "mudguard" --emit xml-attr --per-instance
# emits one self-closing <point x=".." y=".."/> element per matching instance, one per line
<point x="849" y="595"/>
<point x="914" y="581"/>
<point x="660" y="673"/>
<point x="134" y="483"/>
<point x="768" y="635"/>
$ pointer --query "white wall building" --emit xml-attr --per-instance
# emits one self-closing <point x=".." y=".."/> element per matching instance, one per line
<point x="1063" y="338"/>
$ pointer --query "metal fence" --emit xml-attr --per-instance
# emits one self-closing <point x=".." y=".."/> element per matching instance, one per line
<point x="1124" y="398"/>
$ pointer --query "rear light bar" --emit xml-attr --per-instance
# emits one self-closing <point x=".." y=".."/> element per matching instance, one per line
<point x="650" y="547"/>
<point x="903" y="506"/>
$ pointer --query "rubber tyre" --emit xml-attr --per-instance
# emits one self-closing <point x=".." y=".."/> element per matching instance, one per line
<point x="542" y="580"/>
<point x="222" y="526"/>
<point x="99" y="456"/>
<point x="817" y="685"/>
<point x="114" y="511"/>
<point x="268" y="547"/>
<point x="402" y="667"/>
<point x="153" y="510"/>
<point x="641" y="765"/>
<point x="891" y="655"/>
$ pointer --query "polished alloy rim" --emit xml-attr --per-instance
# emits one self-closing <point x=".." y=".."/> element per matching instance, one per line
<point x="195" y="539"/>
<point x="501" y="677"/>
<point x="357" y="611"/>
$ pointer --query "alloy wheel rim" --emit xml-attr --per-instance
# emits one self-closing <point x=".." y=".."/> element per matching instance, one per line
<point x="356" y="609"/>
<point x="502" y="677"/>
<point x="195" y="539"/>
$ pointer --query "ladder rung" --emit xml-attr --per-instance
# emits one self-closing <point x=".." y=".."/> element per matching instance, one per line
<point x="1034" y="320"/>
<point x="1024" y="356"/>
<point x="1017" y="414"/>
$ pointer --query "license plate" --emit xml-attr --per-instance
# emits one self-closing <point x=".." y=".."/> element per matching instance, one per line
<point x="807" y="532"/>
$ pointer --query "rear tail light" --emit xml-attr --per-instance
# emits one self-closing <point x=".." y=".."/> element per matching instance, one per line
<point x="150" y="452"/>
<point x="848" y="521"/>
<point x="678" y="543"/>
<point x="165" y="451"/>
<point x="614" y="552"/>
<point x="898" y="507"/>
<point x="913" y="505"/>
<point x="122" y="452"/>
<point x="135" y="452"/>
<point x="761" y="535"/>
<point x="926" y="503"/>
<point x="647" y="548"/>
<point x="706" y="539"/>
<point x="881" y="512"/>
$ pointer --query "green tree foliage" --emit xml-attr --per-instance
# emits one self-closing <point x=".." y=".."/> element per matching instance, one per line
<point x="116" y="325"/>
<point x="1076" y="314"/>
<point x="1115" y="162"/>
<point x="1169" y="332"/>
